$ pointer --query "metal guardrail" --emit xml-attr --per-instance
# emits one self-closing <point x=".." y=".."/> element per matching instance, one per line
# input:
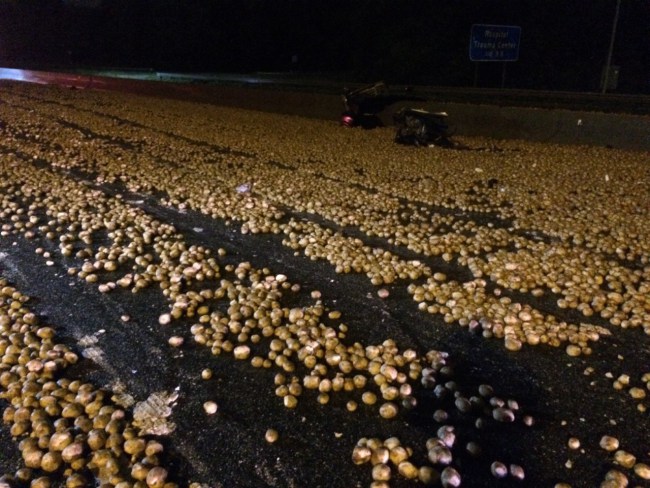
<point x="586" y="101"/>
<point x="591" y="102"/>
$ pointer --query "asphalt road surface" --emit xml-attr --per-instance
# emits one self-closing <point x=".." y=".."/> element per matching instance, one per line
<point x="159" y="238"/>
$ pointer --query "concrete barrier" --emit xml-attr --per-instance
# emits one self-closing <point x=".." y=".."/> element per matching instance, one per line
<point x="621" y="131"/>
<point x="557" y="126"/>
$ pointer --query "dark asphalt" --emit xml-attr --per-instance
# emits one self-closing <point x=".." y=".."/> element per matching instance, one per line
<point x="316" y="441"/>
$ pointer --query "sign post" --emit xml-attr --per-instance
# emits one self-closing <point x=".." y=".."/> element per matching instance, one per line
<point x="606" y="83"/>
<point x="494" y="43"/>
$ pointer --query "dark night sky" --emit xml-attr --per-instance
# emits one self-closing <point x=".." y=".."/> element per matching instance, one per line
<point x="563" y="46"/>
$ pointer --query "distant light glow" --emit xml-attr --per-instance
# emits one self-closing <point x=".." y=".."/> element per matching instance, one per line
<point x="51" y="78"/>
<point x="14" y="74"/>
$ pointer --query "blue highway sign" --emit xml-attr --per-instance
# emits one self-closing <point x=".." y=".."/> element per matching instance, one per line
<point x="494" y="42"/>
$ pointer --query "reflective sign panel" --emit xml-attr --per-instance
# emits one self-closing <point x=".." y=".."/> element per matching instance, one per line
<point x="494" y="42"/>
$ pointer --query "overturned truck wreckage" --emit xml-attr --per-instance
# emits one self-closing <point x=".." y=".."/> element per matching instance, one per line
<point x="421" y="128"/>
<point x="363" y="104"/>
<point x="413" y="126"/>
